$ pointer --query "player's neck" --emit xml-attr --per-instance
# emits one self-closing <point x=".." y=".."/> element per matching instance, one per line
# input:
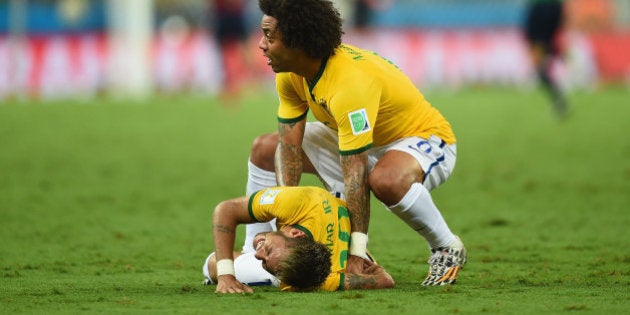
<point x="309" y="68"/>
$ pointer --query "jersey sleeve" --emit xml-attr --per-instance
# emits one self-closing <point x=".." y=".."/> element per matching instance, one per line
<point x="287" y="204"/>
<point x="355" y="110"/>
<point x="261" y="203"/>
<point x="293" y="105"/>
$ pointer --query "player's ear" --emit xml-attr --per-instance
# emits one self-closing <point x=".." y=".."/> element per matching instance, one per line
<point x="295" y="233"/>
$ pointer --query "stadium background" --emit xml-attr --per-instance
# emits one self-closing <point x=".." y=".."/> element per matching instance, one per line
<point x="83" y="48"/>
<point x="105" y="201"/>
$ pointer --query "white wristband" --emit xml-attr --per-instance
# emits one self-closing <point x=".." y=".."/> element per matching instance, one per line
<point x="225" y="267"/>
<point x="358" y="244"/>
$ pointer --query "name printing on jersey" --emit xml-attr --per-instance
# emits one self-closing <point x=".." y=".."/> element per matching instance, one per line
<point x="324" y="106"/>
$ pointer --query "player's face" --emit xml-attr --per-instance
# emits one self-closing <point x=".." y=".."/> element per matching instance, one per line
<point x="271" y="248"/>
<point x="279" y="57"/>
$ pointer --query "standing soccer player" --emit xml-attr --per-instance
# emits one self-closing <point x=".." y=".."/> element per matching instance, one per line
<point x="375" y="131"/>
<point x="543" y="22"/>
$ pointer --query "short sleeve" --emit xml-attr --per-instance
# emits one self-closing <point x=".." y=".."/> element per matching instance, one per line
<point x="293" y="105"/>
<point x="355" y="109"/>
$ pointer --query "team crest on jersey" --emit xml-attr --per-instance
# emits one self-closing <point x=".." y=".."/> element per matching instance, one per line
<point x="269" y="196"/>
<point x="359" y="121"/>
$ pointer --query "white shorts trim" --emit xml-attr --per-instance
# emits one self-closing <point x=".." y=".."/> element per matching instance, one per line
<point x="320" y="144"/>
<point x="436" y="158"/>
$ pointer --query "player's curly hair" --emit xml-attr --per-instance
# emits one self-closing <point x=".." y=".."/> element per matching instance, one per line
<point x="307" y="266"/>
<point x="314" y="26"/>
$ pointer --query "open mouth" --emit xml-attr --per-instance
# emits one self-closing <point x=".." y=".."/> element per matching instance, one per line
<point x="268" y="59"/>
<point x="259" y="240"/>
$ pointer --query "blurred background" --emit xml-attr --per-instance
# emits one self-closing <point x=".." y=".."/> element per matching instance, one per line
<point x="85" y="48"/>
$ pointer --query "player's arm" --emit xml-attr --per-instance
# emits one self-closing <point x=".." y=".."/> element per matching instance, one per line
<point x="355" y="131"/>
<point x="288" y="158"/>
<point x="373" y="277"/>
<point x="227" y="215"/>
<point x="355" y="174"/>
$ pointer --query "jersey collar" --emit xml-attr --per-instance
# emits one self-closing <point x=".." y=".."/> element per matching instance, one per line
<point x="303" y="229"/>
<point x="311" y="85"/>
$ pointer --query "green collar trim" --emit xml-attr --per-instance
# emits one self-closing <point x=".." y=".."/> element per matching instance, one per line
<point x="303" y="229"/>
<point x="311" y="86"/>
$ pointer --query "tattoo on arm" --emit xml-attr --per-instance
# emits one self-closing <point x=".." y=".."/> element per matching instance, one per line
<point x="356" y="281"/>
<point x="223" y="229"/>
<point x="355" y="173"/>
<point x="288" y="165"/>
<point x="288" y="158"/>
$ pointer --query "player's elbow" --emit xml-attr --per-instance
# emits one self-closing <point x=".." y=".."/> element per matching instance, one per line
<point x="222" y="212"/>
<point x="218" y="210"/>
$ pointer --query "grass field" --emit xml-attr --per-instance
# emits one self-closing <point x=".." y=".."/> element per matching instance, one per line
<point x="105" y="207"/>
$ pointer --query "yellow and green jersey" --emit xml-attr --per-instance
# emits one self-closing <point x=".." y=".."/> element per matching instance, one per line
<point x="365" y="98"/>
<point x="317" y="213"/>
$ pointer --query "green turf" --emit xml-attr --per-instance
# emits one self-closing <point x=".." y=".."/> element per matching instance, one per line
<point x="105" y="207"/>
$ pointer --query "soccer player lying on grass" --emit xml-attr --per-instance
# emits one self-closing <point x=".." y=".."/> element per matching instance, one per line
<point x="308" y="251"/>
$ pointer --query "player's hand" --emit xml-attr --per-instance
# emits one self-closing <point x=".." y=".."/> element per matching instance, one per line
<point x="229" y="284"/>
<point x="355" y="264"/>
<point x="372" y="277"/>
<point x="371" y="268"/>
<point x="382" y="277"/>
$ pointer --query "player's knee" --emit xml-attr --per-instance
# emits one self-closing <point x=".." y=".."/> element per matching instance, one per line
<point x="210" y="268"/>
<point x="389" y="186"/>
<point x="263" y="151"/>
<point x="382" y="182"/>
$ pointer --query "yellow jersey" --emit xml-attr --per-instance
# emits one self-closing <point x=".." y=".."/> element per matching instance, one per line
<point x="367" y="99"/>
<point x="314" y="211"/>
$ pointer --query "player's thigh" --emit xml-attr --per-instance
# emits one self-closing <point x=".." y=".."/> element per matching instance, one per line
<point x="321" y="146"/>
<point x="392" y="176"/>
<point x="249" y="270"/>
<point x="263" y="152"/>
<point x="436" y="160"/>
<point x="209" y="268"/>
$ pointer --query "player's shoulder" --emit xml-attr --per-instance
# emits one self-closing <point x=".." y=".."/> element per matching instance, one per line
<point x="289" y="78"/>
<point x="285" y="76"/>
<point x="354" y="62"/>
<point x="352" y="50"/>
<point x="354" y="55"/>
<point x="346" y="56"/>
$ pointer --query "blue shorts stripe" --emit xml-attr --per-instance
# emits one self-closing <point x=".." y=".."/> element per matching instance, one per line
<point x="259" y="283"/>
<point x="437" y="161"/>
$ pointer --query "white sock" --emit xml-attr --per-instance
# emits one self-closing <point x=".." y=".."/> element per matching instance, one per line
<point x="257" y="179"/>
<point x="419" y="212"/>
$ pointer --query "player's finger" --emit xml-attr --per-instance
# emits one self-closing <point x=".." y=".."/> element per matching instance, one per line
<point x="243" y="288"/>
